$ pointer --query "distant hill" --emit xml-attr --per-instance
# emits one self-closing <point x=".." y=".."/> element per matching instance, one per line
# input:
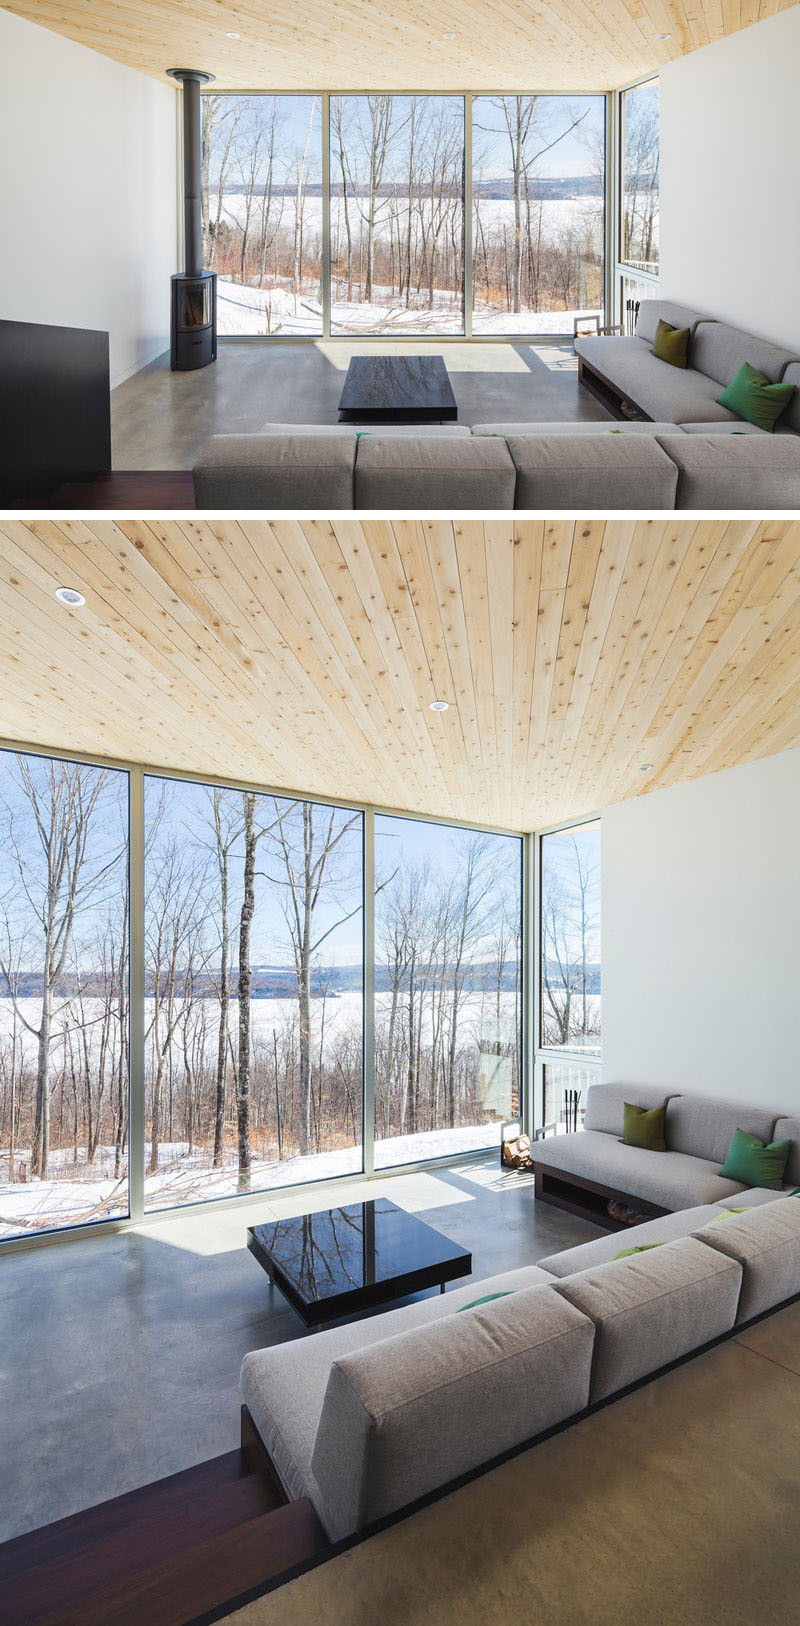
<point x="278" y="981"/>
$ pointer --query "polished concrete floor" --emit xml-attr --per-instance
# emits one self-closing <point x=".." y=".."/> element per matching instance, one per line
<point x="120" y="1355"/>
<point x="161" y="419"/>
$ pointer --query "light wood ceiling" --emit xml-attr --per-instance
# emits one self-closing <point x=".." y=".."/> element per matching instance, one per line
<point x="400" y="44"/>
<point x="304" y="655"/>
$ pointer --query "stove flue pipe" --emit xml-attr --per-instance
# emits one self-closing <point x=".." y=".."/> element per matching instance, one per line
<point x="191" y="80"/>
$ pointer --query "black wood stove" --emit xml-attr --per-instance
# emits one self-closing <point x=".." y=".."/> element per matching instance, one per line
<point x="193" y="324"/>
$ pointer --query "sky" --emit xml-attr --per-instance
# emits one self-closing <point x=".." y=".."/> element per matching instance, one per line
<point x="573" y="154"/>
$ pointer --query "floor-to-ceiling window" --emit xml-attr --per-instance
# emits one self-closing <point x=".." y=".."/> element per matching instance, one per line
<point x="262" y="211"/>
<point x="397" y="214"/>
<point x="253" y="991"/>
<point x="570" y="986"/>
<point x="538" y="191"/>
<point x="448" y="951"/>
<point x="387" y="254"/>
<point x="64" y="931"/>
<point x="639" y="198"/>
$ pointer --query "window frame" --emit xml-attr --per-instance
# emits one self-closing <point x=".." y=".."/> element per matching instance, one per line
<point x="466" y="335"/>
<point x="139" y="1216"/>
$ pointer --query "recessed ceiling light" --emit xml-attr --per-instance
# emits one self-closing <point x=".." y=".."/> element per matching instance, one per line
<point x="448" y="36"/>
<point x="645" y="767"/>
<point x="663" y="36"/>
<point x="439" y="705"/>
<point x="68" y="595"/>
<point x="229" y="36"/>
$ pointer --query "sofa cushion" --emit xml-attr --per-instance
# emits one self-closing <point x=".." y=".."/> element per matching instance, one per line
<point x="667" y="1228"/>
<point x="766" y="1242"/>
<point x="276" y="471"/>
<point x="789" y="1129"/>
<point x="754" y="399"/>
<point x="790" y="421"/>
<point x="724" y="471"/>
<point x="705" y="1127"/>
<point x="419" y="430"/>
<point x="406" y="1416"/>
<point x="653" y="1308"/>
<point x="718" y="352"/>
<point x="408" y="472"/>
<point x="753" y="1197"/>
<point x="283" y="1387"/>
<point x="653" y="311"/>
<point x="663" y="392"/>
<point x="731" y="426"/>
<point x="751" y="1158"/>
<point x="608" y="426"/>
<point x="605" y="1104"/>
<point x="671" y="344"/>
<point x="591" y="472"/>
<point x="667" y="1179"/>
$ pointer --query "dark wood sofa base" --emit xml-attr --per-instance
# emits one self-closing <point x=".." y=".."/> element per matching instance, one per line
<point x="609" y="395"/>
<point x="587" y="1198"/>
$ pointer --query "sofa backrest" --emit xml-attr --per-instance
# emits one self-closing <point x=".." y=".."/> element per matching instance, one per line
<point x="653" y="311"/>
<point x="408" y="1414"/>
<point x="414" y="472"/>
<point x="790" y="417"/>
<point x="789" y="1129"/>
<point x="718" y="352"/>
<point x="766" y="1243"/>
<point x="605" y="1103"/>
<point x="652" y="1308"/>
<point x="705" y="1128"/>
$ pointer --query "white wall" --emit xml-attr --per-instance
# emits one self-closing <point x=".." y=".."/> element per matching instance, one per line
<point x="701" y="935"/>
<point x="88" y="193"/>
<point x="730" y="217"/>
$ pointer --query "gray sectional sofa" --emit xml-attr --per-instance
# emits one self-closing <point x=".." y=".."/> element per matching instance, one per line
<point x="622" y="373"/>
<point x="586" y="1171"/>
<point x="667" y="445"/>
<point x="367" y="1418"/>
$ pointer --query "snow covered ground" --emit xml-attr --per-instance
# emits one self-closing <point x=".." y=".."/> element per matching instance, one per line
<point x="182" y="1177"/>
<point x="259" y="312"/>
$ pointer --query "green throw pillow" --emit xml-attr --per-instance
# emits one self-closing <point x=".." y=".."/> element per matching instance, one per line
<point x="753" y="1163"/>
<point x="671" y="344"/>
<point x="487" y="1298"/>
<point x="644" y="1128"/>
<point x="644" y="1247"/>
<point x="751" y="396"/>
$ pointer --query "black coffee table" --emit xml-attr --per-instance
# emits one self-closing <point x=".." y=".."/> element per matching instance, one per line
<point x="346" y="1259"/>
<point x="397" y="389"/>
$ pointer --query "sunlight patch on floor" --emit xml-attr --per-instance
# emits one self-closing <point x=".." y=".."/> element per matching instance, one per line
<point x="557" y="358"/>
<point x="458" y="358"/>
<point x="492" y="1178"/>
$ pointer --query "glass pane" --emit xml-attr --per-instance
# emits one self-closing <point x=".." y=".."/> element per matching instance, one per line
<point x="565" y="1086"/>
<point x="254" y="991"/>
<point x="570" y="931"/>
<point x="538" y="175"/>
<point x="397" y="214"/>
<point x="640" y="155"/>
<point x="448" y="988"/>
<point x="262" y="211"/>
<point x="63" y="994"/>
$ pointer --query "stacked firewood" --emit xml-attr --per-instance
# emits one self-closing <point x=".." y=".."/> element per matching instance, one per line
<point x="517" y="1153"/>
<point x="625" y="1215"/>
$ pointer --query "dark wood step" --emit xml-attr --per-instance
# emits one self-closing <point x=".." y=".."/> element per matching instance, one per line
<point x="124" y="488"/>
<point x="161" y="1535"/>
<point x="187" y="1589"/>
<point x="148" y="1503"/>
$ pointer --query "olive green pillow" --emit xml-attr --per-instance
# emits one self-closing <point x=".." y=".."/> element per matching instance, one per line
<point x="751" y="396"/>
<point x="644" y="1128"/>
<point x="644" y="1247"/>
<point x="671" y="344"/>
<point x="753" y="1163"/>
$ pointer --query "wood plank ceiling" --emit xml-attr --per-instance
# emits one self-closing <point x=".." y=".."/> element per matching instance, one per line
<point x="400" y="44"/>
<point x="305" y="655"/>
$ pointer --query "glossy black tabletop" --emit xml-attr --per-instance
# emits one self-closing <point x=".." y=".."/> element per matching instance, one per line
<point x="362" y="1253"/>
<point x="398" y="389"/>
